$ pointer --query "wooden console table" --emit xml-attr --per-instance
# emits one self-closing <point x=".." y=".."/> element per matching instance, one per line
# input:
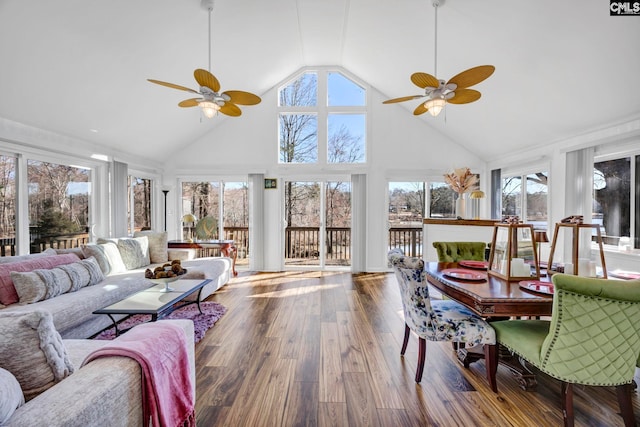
<point x="227" y="247"/>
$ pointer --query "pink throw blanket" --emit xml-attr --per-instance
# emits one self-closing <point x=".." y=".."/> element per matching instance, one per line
<point x="161" y="350"/>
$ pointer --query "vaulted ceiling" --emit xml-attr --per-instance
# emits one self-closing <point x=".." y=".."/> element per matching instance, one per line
<point x="80" y="66"/>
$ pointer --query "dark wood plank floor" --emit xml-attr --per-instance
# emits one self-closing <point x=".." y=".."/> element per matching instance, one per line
<point x="323" y="349"/>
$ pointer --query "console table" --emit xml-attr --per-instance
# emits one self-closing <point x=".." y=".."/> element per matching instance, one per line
<point x="227" y="247"/>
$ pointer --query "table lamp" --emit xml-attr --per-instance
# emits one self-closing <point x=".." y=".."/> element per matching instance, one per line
<point x="189" y="219"/>
<point x="476" y="196"/>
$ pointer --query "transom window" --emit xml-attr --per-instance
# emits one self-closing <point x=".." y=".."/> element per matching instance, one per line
<point x="331" y="131"/>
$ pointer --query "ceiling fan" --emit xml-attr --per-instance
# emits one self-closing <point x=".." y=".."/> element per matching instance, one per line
<point x="210" y="99"/>
<point x="439" y="92"/>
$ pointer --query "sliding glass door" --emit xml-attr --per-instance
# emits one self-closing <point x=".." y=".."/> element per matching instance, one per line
<point x="318" y="224"/>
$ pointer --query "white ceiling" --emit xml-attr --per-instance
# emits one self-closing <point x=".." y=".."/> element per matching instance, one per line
<point x="70" y="66"/>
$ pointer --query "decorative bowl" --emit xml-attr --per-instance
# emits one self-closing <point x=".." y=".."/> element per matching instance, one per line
<point x="165" y="281"/>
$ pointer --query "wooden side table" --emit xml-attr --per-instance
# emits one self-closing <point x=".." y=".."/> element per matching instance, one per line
<point x="227" y="247"/>
<point x="575" y="241"/>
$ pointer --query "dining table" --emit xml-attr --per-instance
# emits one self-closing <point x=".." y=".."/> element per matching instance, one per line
<point x="493" y="298"/>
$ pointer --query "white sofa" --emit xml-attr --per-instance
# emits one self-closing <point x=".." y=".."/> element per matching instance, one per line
<point x="105" y="392"/>
<point x="73" y="311"/>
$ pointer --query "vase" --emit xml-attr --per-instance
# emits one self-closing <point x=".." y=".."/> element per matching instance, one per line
<point x="461" y="206"/>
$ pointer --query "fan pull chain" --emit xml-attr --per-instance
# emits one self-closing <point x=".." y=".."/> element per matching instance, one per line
<point x="435" y="50"/>
<point x="210" y="9"/>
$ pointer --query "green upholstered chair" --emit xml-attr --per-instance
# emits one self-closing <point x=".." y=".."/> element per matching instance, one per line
<point x="435" y="320"/>
<point x="456" y="251"/>
<point x="593" y="338"/>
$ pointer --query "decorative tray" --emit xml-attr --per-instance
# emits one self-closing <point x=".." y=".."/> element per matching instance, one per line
<point x="627" y="275"/>
<point x="478" y="265"/>
<point x="537" y="286"/>
<point x="464" y="274"/>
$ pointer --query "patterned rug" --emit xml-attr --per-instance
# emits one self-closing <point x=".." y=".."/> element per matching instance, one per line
<point x="211" y="312"/>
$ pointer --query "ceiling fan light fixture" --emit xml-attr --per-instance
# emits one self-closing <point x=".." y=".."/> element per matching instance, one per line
<point x="209" y="109"/>
<point x="435" y="105"/>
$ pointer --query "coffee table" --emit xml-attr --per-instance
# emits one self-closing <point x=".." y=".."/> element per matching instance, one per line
<point x="156" y="301"/>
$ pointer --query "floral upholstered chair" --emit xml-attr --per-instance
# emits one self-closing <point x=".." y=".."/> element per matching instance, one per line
<point x="593" y="338"/>
<point x="435" y="320"/>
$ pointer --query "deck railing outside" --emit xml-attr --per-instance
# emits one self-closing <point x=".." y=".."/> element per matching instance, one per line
<point x="300" y="242"/>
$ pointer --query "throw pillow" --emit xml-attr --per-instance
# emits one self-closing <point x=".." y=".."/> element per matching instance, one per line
<point x="8" y="294"/>
<point x="95" y="273"/>
<point x="32" y="350"/>
<point x="11" y="397"/>
<point x="78" y="274"/>
<point x="40" y="284"/>
<point x="158" y="252"/>
<point x="16" y="258"/>
<point x="108" y="256"/>
<point x="134" y="252"/>
<point x="77" y="251"/>
<point x="98" y="253"/>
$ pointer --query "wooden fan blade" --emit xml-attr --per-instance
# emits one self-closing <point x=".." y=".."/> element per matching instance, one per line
<point x="230" y="109"/>
<point x="242" y="98"/>
<point x="423" y="80"/>
<point x="472" y="76"/>
<point x="192" y="102"/>
<point x="205" y="78"/>
<point x="464" y="96"/>
<point x="404" y="98"/>
<point x="173" y="86"/>
<point x="420" y="109"/>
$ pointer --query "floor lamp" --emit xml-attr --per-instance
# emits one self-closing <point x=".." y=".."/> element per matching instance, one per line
<point x="165" y="208"/>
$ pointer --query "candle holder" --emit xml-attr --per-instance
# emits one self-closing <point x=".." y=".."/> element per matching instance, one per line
<point x="513" y="252"/>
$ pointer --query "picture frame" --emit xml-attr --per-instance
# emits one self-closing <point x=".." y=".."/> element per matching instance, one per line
<point x="270" y="183"/>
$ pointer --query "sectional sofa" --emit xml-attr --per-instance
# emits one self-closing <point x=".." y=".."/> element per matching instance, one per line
<point x="122" y="261"/>
<point x="67" y="286"/>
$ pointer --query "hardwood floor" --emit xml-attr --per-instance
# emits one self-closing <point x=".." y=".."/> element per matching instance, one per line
<point x="323" y="349"/>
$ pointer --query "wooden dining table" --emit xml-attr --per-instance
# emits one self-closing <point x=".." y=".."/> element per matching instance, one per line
<point x="492" y="298"/>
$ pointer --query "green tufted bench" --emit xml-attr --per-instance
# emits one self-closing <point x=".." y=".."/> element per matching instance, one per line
<point x="456" y="251"/>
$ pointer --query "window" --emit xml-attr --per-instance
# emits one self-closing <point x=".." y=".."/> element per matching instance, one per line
<point x="58" y="204"/>
<point x="205" y="199"/>
<point x="442" y="200"/>
<point x="7" y="205"/>
<point x="139" y="206"/>
<point x="331" y="132"/>
<point x="406" y="212"/>
<point x="528" y="201"/>
<point x="612" y="200"/>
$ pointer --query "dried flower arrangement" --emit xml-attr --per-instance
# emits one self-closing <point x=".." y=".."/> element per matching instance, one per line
<point x="461" y="180"/>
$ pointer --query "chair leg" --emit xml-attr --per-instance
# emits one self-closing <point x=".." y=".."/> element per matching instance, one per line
<point x="626" y="407"/>
<point x="567" y="403"/>
<point x="407" y="333"/>
<point x="422" y="347"/>
<point x="491" y="363"/>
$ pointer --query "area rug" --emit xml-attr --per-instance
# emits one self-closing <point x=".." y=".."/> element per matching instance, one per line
<point x="211" y="313"/>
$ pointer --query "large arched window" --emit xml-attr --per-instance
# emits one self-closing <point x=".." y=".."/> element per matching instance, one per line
<point x="322" y="119"/>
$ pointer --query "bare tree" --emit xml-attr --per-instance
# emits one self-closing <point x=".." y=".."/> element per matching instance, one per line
<point x="58" y="196"/>
<point x="7" y="197"/>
